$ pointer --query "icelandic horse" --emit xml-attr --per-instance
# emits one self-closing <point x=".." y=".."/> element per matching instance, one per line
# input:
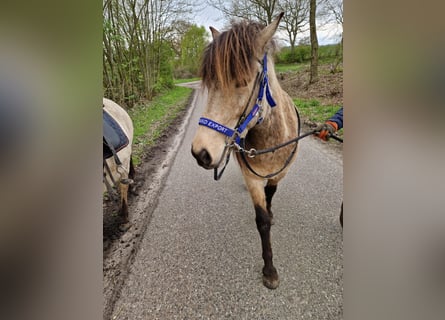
<point x="237" y="66"/>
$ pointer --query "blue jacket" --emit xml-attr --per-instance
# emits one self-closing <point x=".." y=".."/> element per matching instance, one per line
<point x="338" y="118"/>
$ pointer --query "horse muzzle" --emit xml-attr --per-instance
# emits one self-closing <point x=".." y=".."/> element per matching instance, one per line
<point x="208" y="148"/>
<point x="203" y="158"/>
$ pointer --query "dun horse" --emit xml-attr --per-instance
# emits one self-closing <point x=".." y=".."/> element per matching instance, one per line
<point x="238" y="71"/>
<point x="118" y="165"/>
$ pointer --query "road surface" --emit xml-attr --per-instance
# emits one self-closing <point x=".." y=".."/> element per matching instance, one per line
<point x="200" y="256"/>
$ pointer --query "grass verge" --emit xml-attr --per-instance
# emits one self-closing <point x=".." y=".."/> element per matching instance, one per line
<point x="152" y="118"/>
<point x="313" y="111"/>
<point x="289" y="67"/>
<point x="186" y="80"/>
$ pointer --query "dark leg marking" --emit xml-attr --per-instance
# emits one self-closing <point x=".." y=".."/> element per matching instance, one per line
<point x="270" y="275"/>
<point x="132" y="171"/>
<point x="270" y="190"/>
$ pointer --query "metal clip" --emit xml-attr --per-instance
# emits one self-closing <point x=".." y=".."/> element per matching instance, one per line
<point x="238" y="147"/>
<point x="251" y="153"/>
<point x="230" y="142"/>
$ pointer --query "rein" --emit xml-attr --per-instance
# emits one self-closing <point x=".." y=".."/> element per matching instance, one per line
<point x="252" y="153"/>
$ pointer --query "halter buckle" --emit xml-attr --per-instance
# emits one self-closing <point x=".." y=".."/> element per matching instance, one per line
<point x="260" y="112"/>
<point x="252" y="153"/>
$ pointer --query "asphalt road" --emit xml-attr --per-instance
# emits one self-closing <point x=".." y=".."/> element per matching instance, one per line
<point x="200" y="257"/>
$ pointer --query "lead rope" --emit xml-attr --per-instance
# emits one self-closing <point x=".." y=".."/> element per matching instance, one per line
<point x="288" y="160"/>
<point x="253" y="152"/>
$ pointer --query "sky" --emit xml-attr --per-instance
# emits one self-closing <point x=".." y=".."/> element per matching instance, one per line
<point x="209" y="16"/>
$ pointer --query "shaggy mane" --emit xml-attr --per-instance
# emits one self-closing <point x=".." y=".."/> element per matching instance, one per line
<point x="230" y="57"/>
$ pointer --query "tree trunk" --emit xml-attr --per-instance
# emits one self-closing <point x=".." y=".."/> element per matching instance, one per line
<point x="314" y="42"/>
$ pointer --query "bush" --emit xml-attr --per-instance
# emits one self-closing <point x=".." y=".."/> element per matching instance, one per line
<point x="300" y="54"/>
<point x="183" y="73"/>
<point x="331" y="52"/>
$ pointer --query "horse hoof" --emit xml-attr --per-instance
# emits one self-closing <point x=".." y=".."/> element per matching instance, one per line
<point x="272" y="282"/>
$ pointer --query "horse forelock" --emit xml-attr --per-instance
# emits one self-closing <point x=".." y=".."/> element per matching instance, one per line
<point x="230" y="58"/>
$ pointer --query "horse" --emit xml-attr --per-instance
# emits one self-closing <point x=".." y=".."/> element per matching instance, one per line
<point x="118" y="163"/>
<point x="237" y="66"/>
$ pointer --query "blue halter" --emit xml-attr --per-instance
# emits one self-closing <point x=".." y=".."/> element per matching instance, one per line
<point x="235" y="134"/>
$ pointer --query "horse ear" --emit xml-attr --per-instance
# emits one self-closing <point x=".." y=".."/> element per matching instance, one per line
<point x="267" y="33"/>
<point x="215" y="33"/>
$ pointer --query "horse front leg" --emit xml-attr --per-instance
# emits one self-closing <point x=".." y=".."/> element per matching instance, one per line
<point x="263" y="222"/>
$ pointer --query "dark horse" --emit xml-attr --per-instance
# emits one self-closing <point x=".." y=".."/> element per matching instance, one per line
<point x="238" y="71"/>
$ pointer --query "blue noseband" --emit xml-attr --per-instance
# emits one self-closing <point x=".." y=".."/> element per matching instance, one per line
<point x="235" y="134"/>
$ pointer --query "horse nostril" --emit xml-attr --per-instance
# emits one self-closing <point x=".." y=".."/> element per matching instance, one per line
<point x="203" y="157"/>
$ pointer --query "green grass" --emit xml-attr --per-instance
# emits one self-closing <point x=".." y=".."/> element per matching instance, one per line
<point x="315" y="112"/>
<point x="312" y="109"/>
<point x="288" y="67"/>
<point x="185" y="80"/>
<point x="152" y="118"/>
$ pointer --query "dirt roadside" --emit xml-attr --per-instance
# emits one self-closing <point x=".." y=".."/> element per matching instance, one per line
<point x="120" y="242"/>
<point x="328" y="90"/>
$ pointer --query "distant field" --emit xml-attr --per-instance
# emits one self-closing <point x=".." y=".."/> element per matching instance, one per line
<point x="186" y="80"/>
<point x="289" y="67"/>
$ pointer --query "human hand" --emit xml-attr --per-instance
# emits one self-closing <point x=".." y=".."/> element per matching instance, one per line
<point x="325" y="130"/>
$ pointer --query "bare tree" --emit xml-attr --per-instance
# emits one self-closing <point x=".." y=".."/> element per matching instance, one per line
<point x="334" y="8"/>
<point x="314" y="42"/>
<point x="260" y="10"/>
<point x="295" y="19"/>
<point x="294" y="22"/>
<point x="331" y="11"/>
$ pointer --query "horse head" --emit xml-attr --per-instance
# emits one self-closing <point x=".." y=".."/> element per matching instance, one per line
<point x="232" y="73"/>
